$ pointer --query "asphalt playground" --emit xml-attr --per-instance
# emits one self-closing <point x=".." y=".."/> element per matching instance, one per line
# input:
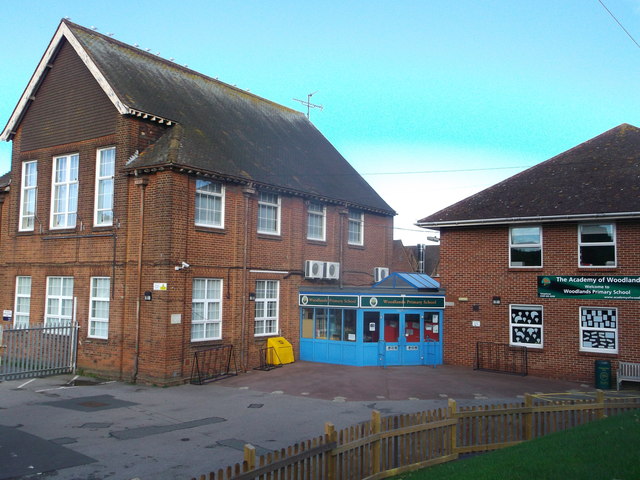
<point x="69" y="427"/>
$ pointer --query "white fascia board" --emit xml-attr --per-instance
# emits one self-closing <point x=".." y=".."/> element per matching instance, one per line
<point x="62" y="32"/>
<point x="511" y="220"/>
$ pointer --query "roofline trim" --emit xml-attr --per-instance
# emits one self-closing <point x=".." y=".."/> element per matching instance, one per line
<point x="188" y="170"/>
<point x="27" y="97"/>
<point x="547" y="219"/>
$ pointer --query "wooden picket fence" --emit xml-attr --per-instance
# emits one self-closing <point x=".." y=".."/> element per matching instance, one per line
<point x="384" y="447"/>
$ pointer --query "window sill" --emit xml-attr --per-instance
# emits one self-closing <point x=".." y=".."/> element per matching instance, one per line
<point x="582" y="353"/>
<point x="525" y="269"/>
<point x="267" y="236"/>
<point x="322" y="243"/>
<point x="355" y="247"/>
<point x="216" y="230"/>
<point x="205" y="343"/>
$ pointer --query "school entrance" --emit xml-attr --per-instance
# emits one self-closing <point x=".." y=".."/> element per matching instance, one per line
<point x="398" y="321"/>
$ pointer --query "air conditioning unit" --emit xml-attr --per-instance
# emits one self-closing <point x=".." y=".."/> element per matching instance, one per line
<point x="313" y="269"/>
<point x="380" y="273"/>
<point x="332" y="270"/>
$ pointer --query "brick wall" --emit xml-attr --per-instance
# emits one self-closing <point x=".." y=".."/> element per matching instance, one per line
<point x="474" y="265"/>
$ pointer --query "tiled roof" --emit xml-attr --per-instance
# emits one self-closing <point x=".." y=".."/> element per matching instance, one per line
<point x="222" y="129"/>
<point x="5" y="180"/>
<point x="600" y="177"/>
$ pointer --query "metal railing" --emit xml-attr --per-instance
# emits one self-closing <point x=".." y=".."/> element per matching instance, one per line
<point x="213" y="363"/>
<point x="501" y="357"/>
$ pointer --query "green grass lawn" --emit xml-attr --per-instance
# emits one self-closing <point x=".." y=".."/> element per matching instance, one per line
<point x="605" y="449"/>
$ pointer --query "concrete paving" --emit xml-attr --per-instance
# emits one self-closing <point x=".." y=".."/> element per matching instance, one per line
<point x="65" y="427"/>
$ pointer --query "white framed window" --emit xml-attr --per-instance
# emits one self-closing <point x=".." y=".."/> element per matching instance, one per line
<point x="269" y="213"/>
<point x="316" y="221"/>
<point x="599" y="329"/>
<point x="28" y="196"/>
<point x="356" y="227"/>
<point x="597" y="245"/>
<point x="64" y="192"/>
<point x="526" y="326"/>
<point x="59" y="308"/>
<point x="23" y="302"/>
<point x="267" y="306"/>
<point x="105" y="172"/>
<point x="525" y="246"/>
<point x="206" y="309"/>
<point x="99" y="307"/>
<point x="209" y="204"/>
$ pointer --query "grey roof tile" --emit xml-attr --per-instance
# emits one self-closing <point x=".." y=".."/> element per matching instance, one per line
<point x="599" y="176"/>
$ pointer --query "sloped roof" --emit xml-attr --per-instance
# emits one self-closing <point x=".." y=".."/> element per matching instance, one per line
<point x="222" y="130"/>
<point x="5" y="180"/>
<point x="418" y="281"/>
<point x="598" y="178"/>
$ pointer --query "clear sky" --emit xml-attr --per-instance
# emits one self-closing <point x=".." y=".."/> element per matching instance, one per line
<point x="431" y="100"/>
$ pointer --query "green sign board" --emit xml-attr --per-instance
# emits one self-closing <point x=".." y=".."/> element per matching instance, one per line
<point x="367" y="301"/>
<point x="601" y="287"/>
<point x="312" y="300"/>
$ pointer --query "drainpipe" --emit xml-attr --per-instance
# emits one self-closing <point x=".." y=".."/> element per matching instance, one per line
<point x="141" y="182"/>
<point x="343" y="212"/>
<point x="247" y="191"/>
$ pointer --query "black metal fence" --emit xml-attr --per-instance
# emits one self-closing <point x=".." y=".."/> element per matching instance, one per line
<point x="501" y="357"/>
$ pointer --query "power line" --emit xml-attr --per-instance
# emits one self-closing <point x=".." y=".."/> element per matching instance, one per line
<point x="620" y="24"/>
<point x="447" y="171"/>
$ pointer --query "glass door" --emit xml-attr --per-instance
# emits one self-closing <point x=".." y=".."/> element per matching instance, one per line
<point x="432" y="345"/>
<point x="410" y="340"/>
<point x="391" y="330"/>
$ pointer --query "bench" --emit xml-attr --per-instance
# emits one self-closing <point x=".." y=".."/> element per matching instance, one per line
<point x="629" y="372"/>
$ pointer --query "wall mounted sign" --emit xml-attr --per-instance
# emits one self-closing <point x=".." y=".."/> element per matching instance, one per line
<point x="601" y="287"/>
<point x="311" y="300"/>
<point x="369" y="301"/>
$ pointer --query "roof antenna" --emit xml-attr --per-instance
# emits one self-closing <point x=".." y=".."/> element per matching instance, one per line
<point x="309" y="104"/>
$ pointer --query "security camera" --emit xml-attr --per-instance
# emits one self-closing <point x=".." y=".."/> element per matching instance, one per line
<point x="185" y="265"/>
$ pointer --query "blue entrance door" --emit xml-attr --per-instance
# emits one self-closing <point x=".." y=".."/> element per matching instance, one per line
<point x="410" y="348"/>
<point x="432" y="334"/>
<point x="391" y="344"/>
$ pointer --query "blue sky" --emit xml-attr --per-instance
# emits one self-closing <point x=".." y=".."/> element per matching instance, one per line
<point x="430" y="100"/>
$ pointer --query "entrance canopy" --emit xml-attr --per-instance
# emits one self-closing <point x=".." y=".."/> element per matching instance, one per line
<point x="419" y="281"/>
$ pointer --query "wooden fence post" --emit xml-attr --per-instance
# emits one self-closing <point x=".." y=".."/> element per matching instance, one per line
<point x="528" y="417"/>
<point x="601" y="406"/>
<point x="453" y="431"/>
<point x="332" y="457"/>
<point x="376" y="427"/>
<point x="250" y="456"/>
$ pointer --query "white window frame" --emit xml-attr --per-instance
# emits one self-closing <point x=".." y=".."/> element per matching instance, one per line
<point x="209" y="195"/>
<point x="525" y="245"/>
<point x="597" y="244"/>
<point x="211" y="307"/>
<point x="63" y="314"/>
<point x="606" y="330"/>
<point x="104" y="188"/>
<point x="512" y="325"/>
<point x="22" y="305"/>
<point x="269" y="202"/>
<point x="318" y="212"/>
<point x="96" y="321"/>
<point x="355" y="227"/>
<point x="69" y="183"/>
<point x="28" y="196"/>
<point x="267" y="308"/>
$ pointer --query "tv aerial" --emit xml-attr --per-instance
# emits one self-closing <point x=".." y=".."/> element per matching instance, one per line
<point x="308" y="103"/>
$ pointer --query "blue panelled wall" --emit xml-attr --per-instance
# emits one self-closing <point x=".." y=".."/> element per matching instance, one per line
<point x="398" y="321"/>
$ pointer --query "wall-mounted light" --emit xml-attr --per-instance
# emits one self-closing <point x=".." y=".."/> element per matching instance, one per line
<point x="252" y="297"/>
<point x="475" y="308"/>
<point x="147" y="296"/>
<point x="496" y="300"/>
